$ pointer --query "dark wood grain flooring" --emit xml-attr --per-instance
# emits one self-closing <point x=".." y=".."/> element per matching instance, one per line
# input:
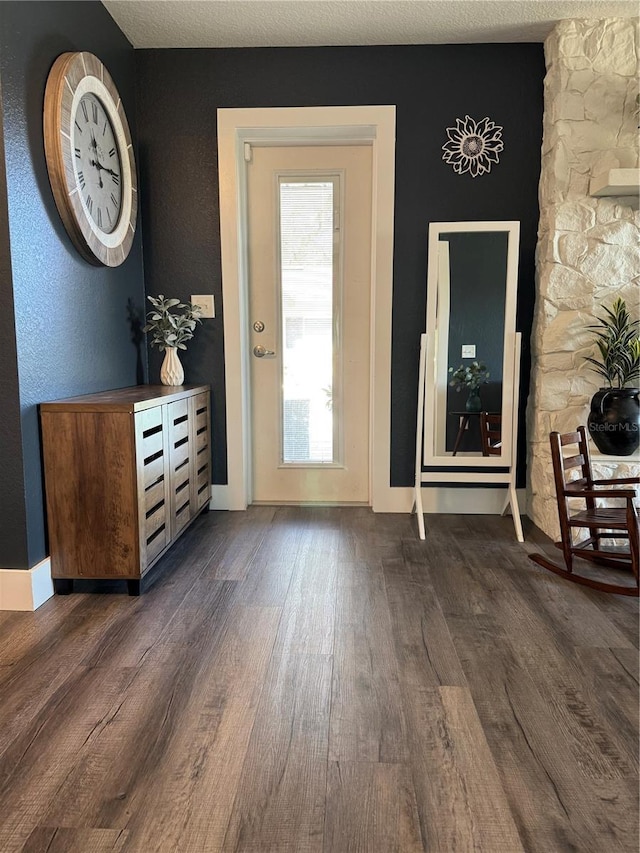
<point x="318" y="680"/>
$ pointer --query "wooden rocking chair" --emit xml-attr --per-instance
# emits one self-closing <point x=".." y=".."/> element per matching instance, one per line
<point x="601" y="522"/>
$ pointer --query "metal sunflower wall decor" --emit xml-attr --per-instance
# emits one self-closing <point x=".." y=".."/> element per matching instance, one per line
<point x="473" y="146"/>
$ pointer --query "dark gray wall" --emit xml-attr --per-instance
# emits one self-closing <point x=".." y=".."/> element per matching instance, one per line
<point x="431" y="85"/>
<point x="71" y="331"/>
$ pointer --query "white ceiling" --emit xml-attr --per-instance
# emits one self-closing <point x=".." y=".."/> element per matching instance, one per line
<point x="286" y="23"/>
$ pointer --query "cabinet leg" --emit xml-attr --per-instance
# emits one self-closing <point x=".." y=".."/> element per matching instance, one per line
<point x="62" y="586"/>
<point x="133" y="587"/>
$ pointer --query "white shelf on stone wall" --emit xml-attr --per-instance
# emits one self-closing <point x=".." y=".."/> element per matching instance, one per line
<point x="596" y="456"/>
<point x="616" y="182"/>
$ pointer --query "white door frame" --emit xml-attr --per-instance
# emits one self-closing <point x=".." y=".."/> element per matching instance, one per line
<point x="373" y="125"/>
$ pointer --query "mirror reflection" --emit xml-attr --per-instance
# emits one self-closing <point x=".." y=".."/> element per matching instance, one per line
<point x="470" y="326"/>
<point x="469" y="384"/>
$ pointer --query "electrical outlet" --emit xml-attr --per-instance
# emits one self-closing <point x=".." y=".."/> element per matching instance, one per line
<point x="468" y="351"/>
<point x="205" y="301"/>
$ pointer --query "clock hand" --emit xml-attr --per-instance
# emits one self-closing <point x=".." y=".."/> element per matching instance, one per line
<point x="108" y="171"/>
<point x="99" y="166"/>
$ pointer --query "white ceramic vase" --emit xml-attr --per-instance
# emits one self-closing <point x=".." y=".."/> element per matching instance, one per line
<point x="171" y="372"/>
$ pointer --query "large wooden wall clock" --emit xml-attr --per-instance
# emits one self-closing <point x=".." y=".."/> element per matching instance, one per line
<point x="90" y="158"/>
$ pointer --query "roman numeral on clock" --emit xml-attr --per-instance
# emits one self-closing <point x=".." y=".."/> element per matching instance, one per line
<point x="94" y="112"/>
<point x="85" y="112"/>
<point x="78" y="153"/>
<point x="81" y="180"/>
<point x="115" y="179"/>
<point x="90" y="204"/>
<point x="115" y="201"/>
<point x="99" y="217"/>
<point x="112" y="152"/>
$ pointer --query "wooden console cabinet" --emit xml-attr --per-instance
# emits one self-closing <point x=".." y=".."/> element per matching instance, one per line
<point x="125" y="472"/>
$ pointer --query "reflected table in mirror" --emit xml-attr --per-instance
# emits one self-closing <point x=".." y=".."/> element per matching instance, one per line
<point x="465" y="421"/>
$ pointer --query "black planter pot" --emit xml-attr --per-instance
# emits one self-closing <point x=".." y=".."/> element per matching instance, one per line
<point x="614" y="421"/>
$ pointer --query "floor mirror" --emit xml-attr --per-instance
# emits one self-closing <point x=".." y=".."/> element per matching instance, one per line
<point x="469" y="360"/>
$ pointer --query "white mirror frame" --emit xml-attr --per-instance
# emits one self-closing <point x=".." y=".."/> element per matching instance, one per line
<point x="436" y="378"/>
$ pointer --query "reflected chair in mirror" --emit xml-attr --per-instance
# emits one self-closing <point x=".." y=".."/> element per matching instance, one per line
<point x="579" y="509"/>
<point x="491" y="433"/>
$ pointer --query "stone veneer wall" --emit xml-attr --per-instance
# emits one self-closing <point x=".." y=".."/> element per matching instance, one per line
<point x="588" y="248"/>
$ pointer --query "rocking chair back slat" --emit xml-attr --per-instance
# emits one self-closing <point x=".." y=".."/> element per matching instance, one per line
<point x="569" y="438"/>
<point x="576" y="486"/>
<point x="573" y="461"/>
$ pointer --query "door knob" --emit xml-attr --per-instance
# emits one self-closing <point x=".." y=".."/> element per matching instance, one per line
<point x="260" y="351"/>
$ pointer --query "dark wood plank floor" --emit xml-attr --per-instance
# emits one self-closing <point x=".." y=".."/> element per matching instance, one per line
<point x="319" y="679"/>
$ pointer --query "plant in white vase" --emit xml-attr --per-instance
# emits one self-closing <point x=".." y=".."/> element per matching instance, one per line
<point x="171" y="323"/>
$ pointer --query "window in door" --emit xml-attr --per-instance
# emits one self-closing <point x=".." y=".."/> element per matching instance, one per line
<point x="309" y="296"/>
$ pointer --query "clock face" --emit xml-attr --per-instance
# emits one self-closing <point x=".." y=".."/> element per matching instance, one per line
<point x="96" y="162"/>
<point x="90" y="158"/>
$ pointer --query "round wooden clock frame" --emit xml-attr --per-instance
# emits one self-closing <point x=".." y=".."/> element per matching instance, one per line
<point x="73" y="77"/>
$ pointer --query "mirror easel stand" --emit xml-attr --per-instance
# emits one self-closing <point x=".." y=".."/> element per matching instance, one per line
<point x="508" y="477"/>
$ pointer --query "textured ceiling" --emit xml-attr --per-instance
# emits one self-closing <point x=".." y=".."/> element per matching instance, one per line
<point x="280" y="23"/>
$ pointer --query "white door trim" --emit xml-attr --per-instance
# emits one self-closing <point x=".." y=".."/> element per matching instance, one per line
<point x="287" y="126"/>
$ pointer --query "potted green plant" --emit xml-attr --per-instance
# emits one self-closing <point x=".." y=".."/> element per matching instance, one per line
<point x="614" y="419"/>
<point x="469" y="377"/>
<point x="171" y="323"/>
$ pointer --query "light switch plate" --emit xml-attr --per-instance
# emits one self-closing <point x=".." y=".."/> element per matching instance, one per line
<point x="205" y="301"/>
<point x="468" y="351"/>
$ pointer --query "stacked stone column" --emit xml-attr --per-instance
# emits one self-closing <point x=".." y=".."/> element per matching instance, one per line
<point x="588" y="248"/>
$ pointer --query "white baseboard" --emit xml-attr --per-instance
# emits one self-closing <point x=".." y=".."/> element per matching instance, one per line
<point x="219" y="497"/>
<point x="26" y="589"/>
<point x="444" y="499"/>
<point x="438" y="499"/>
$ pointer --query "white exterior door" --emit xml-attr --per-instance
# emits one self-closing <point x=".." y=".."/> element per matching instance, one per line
<point x="309" y="232"/>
